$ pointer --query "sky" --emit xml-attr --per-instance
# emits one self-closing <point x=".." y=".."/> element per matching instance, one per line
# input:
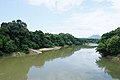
<point x="81" y="18"/>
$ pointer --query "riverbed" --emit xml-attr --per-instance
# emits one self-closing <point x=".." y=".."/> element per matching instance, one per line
<point x="72" y="63"/>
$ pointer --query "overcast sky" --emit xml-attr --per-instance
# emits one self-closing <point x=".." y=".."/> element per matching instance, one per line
<point x="82" y="18"/>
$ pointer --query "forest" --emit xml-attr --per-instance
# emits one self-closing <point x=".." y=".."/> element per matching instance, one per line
<point x="109" y="44"/>
<point x="15" y="36"/>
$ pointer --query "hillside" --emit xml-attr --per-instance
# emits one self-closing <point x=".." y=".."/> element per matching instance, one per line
<point x="95" y="37"/>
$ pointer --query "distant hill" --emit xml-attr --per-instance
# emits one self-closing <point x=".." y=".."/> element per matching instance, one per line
<point x="95" y="37"/>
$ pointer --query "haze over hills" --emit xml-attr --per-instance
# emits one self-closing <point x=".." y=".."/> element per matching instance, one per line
<point x="95" y="36"/>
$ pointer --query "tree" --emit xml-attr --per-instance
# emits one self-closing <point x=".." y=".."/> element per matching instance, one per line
<point x="10" y="46"/>
<point x="113" y="45"/>
<point x="1" y="43"/>
<point x="109" y="43"/>
<point x="14" y="36"/>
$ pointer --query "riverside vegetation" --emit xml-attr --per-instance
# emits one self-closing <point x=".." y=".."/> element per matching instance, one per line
<point x="109" y="44"/>
<point x="15" y="37"/>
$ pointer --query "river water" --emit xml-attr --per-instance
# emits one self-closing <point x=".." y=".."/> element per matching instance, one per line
<point x="72" y="63"/>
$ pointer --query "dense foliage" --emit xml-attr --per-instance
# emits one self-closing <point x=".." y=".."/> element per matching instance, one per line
<point x="14" y="36"/>
<point x="110" y="43"/>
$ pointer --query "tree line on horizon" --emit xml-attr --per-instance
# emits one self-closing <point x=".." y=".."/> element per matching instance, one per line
<point x="14" y="36"/>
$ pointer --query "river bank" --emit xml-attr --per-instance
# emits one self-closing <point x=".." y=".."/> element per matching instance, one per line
<point x="39" y="51"/>
<point x="35" y="51"/>
<point x="116" y="59"/>
<point x="113" y="58"/>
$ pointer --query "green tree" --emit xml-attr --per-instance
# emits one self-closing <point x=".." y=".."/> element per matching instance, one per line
<point x="113" y="45"/>
<point x="109" y="43"/>
<point x="10" y="46"/>
<point x="14" y="36"/>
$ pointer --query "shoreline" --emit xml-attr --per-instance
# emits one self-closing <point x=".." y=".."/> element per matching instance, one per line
<point x="116" y="59"/>
<point x="35" y="51"/>
<point x="113" y="58"/>
<point x="49" y="49"/>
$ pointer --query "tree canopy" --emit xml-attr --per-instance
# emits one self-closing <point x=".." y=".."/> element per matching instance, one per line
<point x="109" y="43"/>
<point x="14" y="36"/>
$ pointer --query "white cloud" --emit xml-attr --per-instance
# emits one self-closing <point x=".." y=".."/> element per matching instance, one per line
<point x="116" y="4"/>
<point x="98" y="0"/>
<point x="60" y="5"/>
<point x="47" y="3"/>
<point x="97" y="22"/>
<point x="63" y="5"/>
<point x="83" y="24"/>
<point x="86" y="24"/>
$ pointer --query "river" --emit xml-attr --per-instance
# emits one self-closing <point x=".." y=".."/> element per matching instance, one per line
<point x="72" y="63"/>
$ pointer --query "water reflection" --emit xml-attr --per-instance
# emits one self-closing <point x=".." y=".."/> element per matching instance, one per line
<point x="72" y="63"/>
<point x="79" y="66"/>
<point x="111" y="67"/>
<point x="12" y="68"/>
